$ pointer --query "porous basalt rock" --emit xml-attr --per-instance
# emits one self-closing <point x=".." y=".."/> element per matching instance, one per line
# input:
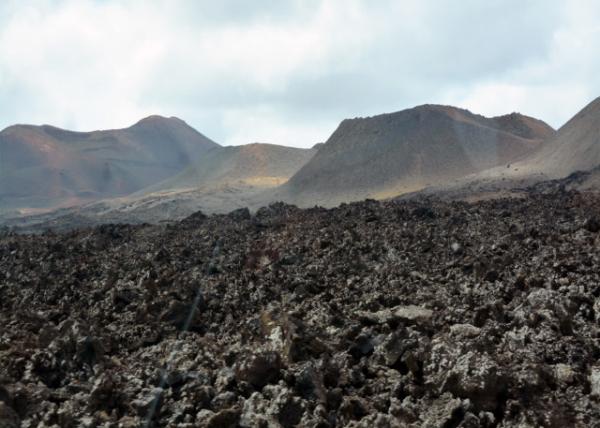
<point x="373" y="314"/>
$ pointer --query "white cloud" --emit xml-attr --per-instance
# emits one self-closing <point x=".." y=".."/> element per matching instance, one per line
<point x="266" y="126"/>
<point x="552" y="103"/>
<point x="80" y="64"/>
<point x="553" y="88"/>
<point x="287" y="72"/>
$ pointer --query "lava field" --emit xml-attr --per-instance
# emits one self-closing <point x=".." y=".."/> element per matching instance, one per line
<point x="418" y="313"/>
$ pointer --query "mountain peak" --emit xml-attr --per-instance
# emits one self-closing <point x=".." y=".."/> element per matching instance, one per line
<point x="524" y="126"/>
<point x="71" y="167"/>
<point x="592" y="109"/>
<point x="156" y="119"/>
<point x="574" y="147"/>
<point x="438" y="107"/>
<point x="410" y="149"/>
<point x="595" y="102"/>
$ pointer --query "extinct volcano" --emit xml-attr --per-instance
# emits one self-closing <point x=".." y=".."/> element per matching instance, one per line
<point x="575" y="147"/>
<point x="224" y="179"/>
<point x="44" y="166"/>
<point x="395" y="153"/>
<point x="257" y="164"/>
<point x="569" y="159"/>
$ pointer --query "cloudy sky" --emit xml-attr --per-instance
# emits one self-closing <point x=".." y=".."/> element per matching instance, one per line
<point x="287" y="72"/>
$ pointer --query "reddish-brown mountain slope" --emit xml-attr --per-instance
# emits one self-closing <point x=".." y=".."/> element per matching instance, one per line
<point x="44" y="166"/>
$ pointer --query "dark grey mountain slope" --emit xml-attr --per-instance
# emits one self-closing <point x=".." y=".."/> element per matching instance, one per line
<point x="395" y="153"/>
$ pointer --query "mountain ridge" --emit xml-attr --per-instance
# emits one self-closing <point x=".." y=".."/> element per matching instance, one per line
<point x="411" y="149"/>
<point x="239" y="163"/>
<point x="575" y="147"/>
<point x="441" y="148"/>
<point x="45" y="166"/>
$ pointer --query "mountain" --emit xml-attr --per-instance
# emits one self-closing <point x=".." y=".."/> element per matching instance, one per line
<point x="575" y="147"/>
<point x="262" y="165"/>
<point x="161" y="169"/>
<point x="45" y="166"/>
<point x="569" y="159"/>
<point x="396" y="153"/>
<point x="224" y="179"/>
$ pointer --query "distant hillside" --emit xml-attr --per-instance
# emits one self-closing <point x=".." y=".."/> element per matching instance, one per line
<point x="226" y="178"/>
<point x="568" y="159"/>
<point x="575" y="147"/>
<point x="395" y="153"/>
<point x="263" y="165"/>
<point x="44" y="166"/>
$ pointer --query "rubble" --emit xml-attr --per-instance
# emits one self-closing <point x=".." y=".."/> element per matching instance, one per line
<point x="416" y="313"/>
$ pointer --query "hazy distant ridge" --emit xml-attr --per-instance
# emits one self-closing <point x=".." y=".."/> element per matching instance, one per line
<point x="46" y="166"/>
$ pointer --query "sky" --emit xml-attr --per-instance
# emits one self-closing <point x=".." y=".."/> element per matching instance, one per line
<point x="288" y="71"/>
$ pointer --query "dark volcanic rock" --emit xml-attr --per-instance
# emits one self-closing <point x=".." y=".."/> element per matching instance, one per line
<point x="259" y="369"/>
<point x="592" y="224"/>
<point x="8" y="417"/>
<point x="394" y="314"/>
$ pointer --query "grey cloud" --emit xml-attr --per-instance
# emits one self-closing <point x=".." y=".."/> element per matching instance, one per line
<point x="402" y="53"/>
<point x="241" y="12"/>
<point x="403" y="65"/>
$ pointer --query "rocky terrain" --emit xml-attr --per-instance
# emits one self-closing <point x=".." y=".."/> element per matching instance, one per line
<point x="417" y="313"/>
